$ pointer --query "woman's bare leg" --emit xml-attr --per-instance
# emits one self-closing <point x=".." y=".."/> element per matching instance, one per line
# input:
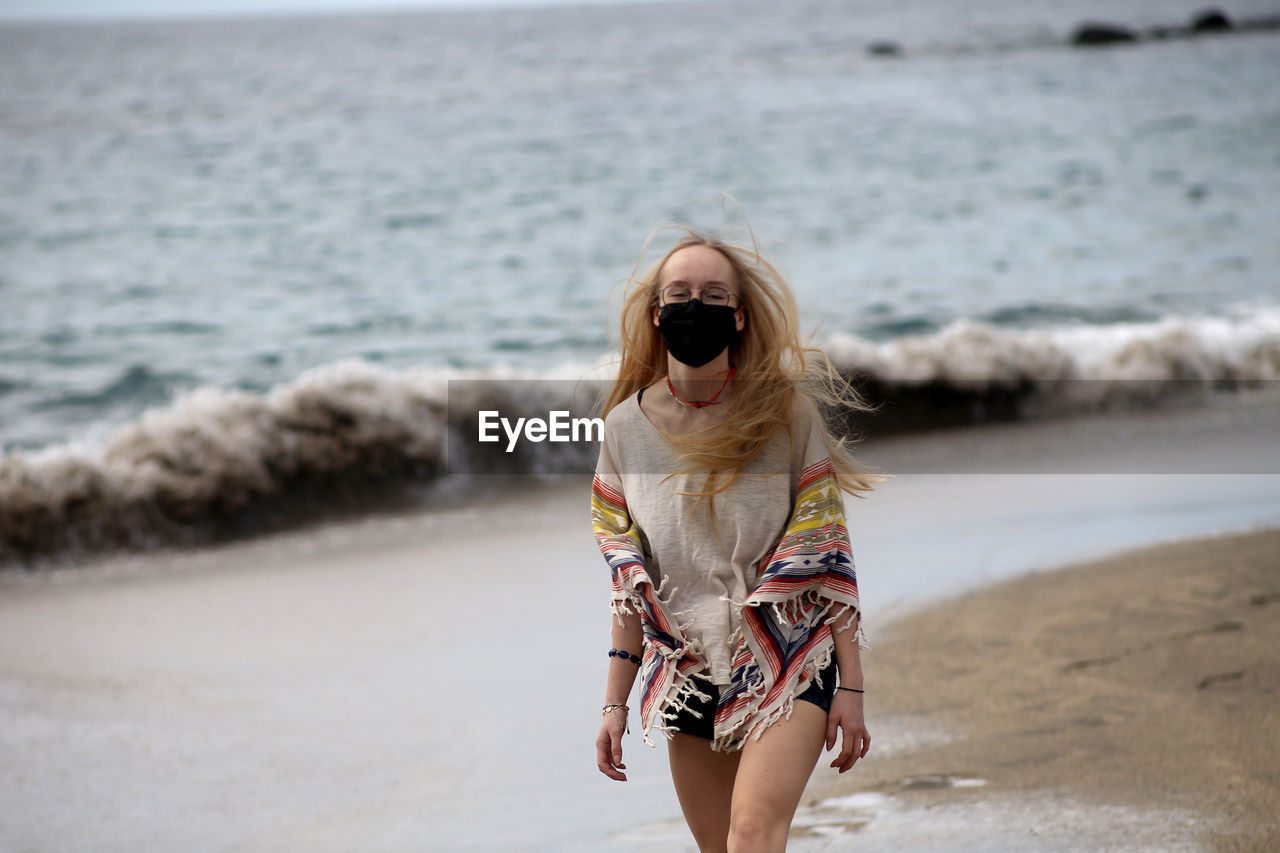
<point x="771" y="778"/>
<point x="704" y="784"/>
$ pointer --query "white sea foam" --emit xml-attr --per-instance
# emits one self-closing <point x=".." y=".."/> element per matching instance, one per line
<point x="1245" y="347"/>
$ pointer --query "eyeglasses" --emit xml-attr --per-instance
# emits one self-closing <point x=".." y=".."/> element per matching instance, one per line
<point x="712" y="295"/>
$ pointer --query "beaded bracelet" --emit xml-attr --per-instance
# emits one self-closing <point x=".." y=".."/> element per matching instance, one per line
<point x="624" y="655"/>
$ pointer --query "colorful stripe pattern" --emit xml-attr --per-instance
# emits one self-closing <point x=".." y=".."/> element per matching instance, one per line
<point x="785" y="638"/>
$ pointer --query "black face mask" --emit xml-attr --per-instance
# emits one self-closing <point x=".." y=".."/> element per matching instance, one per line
<point x="697" y="333"/>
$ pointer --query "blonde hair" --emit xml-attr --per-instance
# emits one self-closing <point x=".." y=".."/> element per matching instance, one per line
<point x="773" y="367"/>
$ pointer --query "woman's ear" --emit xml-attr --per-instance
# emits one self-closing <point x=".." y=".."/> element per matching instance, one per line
<point x="740" y="318"/>
<point x="654" y="311"/>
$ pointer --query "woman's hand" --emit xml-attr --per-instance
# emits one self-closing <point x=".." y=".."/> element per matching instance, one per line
<point x="846" y="716"/>
<point x="609" y="745"/>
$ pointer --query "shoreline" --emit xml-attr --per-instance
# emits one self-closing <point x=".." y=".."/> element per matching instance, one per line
<point x="1145" y="681"/>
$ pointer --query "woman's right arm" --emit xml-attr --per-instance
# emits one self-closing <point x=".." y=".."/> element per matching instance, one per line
<point x="627" y="636"/>
<point x="620" y="543"/>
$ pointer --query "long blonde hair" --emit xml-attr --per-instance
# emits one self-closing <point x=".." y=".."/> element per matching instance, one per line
<point x="773" y="366"/>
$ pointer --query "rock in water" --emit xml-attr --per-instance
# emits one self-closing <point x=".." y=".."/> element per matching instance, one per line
<point x="1087" y="35"/>
<point x="1210" y="21"/>
<point x="884" y="48"/>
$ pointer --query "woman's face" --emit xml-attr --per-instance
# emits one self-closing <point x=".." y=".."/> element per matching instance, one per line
<point x="698" y="268"/>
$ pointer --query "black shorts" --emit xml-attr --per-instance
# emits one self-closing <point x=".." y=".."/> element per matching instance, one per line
<point x="687" y="723"/>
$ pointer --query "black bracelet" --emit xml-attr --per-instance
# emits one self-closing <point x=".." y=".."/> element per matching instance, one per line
<point x="619" y="653"/>
<point x="851" y="689"/>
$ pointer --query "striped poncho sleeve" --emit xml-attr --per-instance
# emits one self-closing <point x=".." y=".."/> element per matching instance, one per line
<point x="670" y="659"/>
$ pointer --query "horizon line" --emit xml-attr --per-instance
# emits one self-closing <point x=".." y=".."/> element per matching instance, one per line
<point x="250" y="10"/>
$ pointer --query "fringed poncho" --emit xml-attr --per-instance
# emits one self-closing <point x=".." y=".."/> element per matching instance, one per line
<point x="748" y="605"/>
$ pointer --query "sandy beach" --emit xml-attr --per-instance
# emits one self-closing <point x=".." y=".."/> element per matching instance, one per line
<point x="431" y="680"/>
<point x="1149" y="680"/>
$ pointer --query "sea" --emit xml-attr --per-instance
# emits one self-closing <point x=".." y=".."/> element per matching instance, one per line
<point x="242" y="259"/>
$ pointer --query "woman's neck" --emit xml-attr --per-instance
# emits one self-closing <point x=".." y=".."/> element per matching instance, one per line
<point x="700" y="383"/>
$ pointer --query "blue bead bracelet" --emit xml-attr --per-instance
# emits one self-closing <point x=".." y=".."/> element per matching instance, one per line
<point x="619" y="653"/>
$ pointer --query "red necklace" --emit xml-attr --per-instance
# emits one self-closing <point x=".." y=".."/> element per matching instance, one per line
<point x="698" y="404"/>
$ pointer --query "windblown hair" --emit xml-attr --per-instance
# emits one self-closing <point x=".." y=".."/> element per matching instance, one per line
<point x="773" y="366"/>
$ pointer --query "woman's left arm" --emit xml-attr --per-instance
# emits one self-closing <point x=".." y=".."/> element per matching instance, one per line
<point x="846" y="706"/>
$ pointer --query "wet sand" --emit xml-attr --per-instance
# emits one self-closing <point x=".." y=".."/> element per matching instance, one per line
<point x="1147" y="682"/>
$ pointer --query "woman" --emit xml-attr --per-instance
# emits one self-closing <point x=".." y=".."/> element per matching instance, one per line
<point x="717" y="506"/>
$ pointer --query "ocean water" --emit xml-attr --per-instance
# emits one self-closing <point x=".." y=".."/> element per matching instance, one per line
<point x="218" y="228"/>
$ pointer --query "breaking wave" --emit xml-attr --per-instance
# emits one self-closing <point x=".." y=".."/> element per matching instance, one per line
<point x="971" y="372"/>
<point x="217" y="463"/>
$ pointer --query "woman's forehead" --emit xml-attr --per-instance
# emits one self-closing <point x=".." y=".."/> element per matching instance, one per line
<point x="695" y="264"/>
